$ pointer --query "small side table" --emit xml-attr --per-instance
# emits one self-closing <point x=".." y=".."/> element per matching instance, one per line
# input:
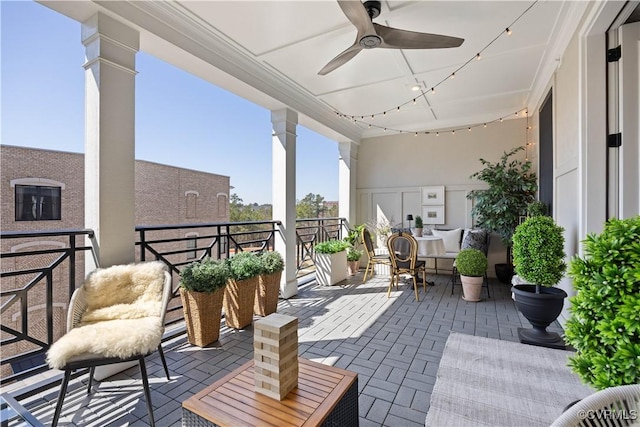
<point x="325" y="396"/>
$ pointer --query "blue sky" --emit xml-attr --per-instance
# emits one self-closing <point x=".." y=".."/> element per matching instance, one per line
<point x="181" y="120"/>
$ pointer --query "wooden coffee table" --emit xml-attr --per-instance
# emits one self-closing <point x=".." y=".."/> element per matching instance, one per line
<point x="325" y="396"/>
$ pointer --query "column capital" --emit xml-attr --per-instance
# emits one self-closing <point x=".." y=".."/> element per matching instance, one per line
<point x="109" y="41"/>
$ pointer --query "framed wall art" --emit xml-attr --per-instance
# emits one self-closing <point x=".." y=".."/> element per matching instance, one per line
<point x="433" y="195"/>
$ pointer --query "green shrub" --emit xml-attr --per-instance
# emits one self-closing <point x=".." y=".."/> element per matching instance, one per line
<point x="354" y="235"/>
<point x="537" y="208"/>
<point x="471" y="262"/>
<point x="331" y="246"/>
<point x="272" y="262"/>
<point x="354" y="254"/>
<point x="244" y="265"/>
<point x="604" y="326"/>
<point x="538" y="251"/>
<point x="419" y="222"/>
<point x="204" y="276"/>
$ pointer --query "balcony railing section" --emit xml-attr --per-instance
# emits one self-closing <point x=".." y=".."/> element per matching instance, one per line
<point x="40" y="270"/>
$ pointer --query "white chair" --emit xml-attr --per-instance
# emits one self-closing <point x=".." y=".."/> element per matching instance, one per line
<point x="117" y="315"/>
<point x="612" y="407"/>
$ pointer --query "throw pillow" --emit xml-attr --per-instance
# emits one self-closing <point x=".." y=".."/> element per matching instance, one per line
<point x="476" y="239"/>
<point x="451" y="239"/>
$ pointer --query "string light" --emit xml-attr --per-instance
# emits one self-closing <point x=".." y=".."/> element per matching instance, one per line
<point x="477" y="56"/>
<point x="437" y="133"/>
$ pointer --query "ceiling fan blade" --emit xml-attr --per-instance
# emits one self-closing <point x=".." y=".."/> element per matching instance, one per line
<point x="394" y="38"/>
<point x="341" y="59"/>
<point x="357" y="14"/>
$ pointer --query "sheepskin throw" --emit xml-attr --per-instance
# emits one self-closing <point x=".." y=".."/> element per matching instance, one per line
<point x="122" y="316"/>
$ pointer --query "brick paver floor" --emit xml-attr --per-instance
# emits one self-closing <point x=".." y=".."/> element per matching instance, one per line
<point x="394" y="344"/>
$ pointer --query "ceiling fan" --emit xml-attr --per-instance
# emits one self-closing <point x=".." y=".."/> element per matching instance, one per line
<point x="372" y="35"/>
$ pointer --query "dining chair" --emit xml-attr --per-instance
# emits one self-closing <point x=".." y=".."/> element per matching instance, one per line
<point x="117" y="315"/>
<point x="403" y="252"/>
<point x="372" y="258"/>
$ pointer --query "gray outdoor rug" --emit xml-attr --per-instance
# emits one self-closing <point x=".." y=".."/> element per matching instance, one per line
<point x="489" y="382"/>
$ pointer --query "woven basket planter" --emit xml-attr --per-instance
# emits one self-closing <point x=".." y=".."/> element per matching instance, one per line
<point x="202" y="314"/>
<point x="267" y="293"/>
<point x="239" y="296"/>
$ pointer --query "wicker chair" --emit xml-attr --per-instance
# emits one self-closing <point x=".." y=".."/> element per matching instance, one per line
<point x="612" y="407"/>
<point x="116" y="316"/>
<point x="403" y="251"/>
<point x="372" y="258"/>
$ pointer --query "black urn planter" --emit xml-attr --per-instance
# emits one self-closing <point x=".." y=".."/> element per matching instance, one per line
<point x="540" y="310"/>
<point x="504" y="273"/>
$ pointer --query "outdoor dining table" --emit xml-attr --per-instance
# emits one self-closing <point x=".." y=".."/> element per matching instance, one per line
<point x="430" y="247"/>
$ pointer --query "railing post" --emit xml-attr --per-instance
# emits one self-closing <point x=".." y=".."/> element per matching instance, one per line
<point x="143" y="246"/>
<point x="72" y="264"/>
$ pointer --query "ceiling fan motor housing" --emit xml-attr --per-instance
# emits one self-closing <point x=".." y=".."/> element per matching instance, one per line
<point x="373" y="8"/>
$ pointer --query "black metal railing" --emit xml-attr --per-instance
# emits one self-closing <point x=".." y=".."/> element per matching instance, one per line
<point x="40" y="271"/>
<point x="32" y="264"/>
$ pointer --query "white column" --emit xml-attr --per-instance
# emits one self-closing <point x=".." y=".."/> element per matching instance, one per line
<point x="348" y="171"/>
<point x="284" y="193"/>
<point x="111" y="48"/>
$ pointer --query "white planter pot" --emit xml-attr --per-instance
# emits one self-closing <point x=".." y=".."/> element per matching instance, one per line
<point x="331" y="268"/>
<point x="471" y="288"/>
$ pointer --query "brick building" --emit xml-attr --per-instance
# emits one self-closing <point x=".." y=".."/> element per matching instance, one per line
<point x="44" y="190"/>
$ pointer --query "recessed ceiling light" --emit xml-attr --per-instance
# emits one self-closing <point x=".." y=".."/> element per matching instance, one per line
<point x="415" y="88"/>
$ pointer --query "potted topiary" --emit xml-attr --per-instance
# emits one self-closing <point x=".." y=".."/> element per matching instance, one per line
<point x="498" y="209"/>
<point x="353" y="260"/>
<point x="417" y="230"/>
<point x="604" y="326"/>
<point x="331" y="261"/>
<point x="240" y="292"/>
<point x="472" y="265"/>
<point x="268" y="288"/>
<point x="538" y="257"/>
<point x="537" y="208"/>
<point x="202" y="285"/>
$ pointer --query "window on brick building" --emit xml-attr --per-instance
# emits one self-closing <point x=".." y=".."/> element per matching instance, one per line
<point x="192" y="243"/>
<point x="38" y="203"/>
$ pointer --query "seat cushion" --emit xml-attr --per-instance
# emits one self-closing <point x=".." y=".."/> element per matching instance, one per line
<point x="121" y="338"/>
<point x="124" y="292"/>
<point x="451" y="239"/>
<point x="475" y="239"/>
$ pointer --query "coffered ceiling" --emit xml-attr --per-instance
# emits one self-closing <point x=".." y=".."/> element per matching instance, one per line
<point x="270" y="52"/>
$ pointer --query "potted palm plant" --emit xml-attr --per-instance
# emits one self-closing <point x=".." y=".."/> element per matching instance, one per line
<point x="472" y="265"/>
<point x="202" y="285"/>
<point x="604" y="327"/>
<point x="240" y="293"/>
<point x="417" y="230"/>
<point x="538" y="257"/>
<point x="331" y="261"/>
<point x="498" y="209"/>
<point x="268" y="288"/>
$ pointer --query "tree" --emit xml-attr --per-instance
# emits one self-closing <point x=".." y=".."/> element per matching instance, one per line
<point x="311" y="206"/>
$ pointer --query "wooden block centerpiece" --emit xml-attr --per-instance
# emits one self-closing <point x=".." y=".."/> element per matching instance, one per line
<point x="275" y="354"/>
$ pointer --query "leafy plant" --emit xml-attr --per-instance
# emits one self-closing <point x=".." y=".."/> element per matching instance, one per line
<point x="471" y="262"/>
<point x="204" y="276"/>
<point x="511" y="188"/>
<point x="331" y="246"/>
<point x="271" y="261"/>
<point x="419" y="222"/>
<point x="381" y="228"/>
<point x="354" y="235"/>
<point x="538" y="251"/>
<point x="537" y="208"/>
<point x="354" y="254"/>
<point x="244" y="265"/>
<point x="604" y="326"/>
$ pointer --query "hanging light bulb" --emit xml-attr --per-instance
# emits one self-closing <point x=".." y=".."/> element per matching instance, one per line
<point x="478" y="57"/>
<point x="453" y="132"/>
<point x="437" y="133"/>
<point x="414" y="101"/>
<point x="433" y="90"/>
<point x="453" y="75"/>
<point x="485" y="125"/>
<point x="416" y="133"/>
<point x="398" y="108"/>
<point x="500" y="119"/>
<point x="469" y="129"/>
<point x="508" y="31"/>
